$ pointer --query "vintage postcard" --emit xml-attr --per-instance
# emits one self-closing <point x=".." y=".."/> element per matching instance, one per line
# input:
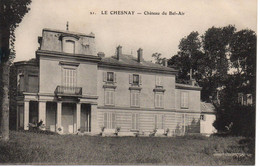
<point x="141" y="82"/>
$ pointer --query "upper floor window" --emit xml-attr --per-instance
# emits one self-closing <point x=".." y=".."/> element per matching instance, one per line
<point x="158" y="100"/>
<point x="135" y="79"/>
<point x="109" y="97"/>
<point x="20" y="83"/>
<point x="184" y="100"/>
<point x="109" y="76"/>
<point x="158" y="81"/>
<point x="69" y="46"/>
<point x="135" y="98"/>
<point x="69" y="78"/>
<point x="33" y="83"/>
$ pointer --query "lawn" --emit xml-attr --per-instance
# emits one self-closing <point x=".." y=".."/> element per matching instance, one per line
<point x="33" y="148"/>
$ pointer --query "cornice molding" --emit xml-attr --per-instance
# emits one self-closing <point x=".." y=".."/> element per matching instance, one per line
<point x="136" y="68"/>
<point x="149" y="109"/>
<point x="68" y="56"/>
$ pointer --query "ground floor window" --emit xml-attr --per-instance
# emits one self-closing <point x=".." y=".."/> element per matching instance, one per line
<point x="159" y="121"/>
<point x="109" y="120"/>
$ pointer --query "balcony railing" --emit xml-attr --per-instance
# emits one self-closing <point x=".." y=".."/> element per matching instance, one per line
<point x="64" y="90"/>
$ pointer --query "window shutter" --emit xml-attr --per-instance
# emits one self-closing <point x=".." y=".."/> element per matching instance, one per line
<point x="137" y="99"/>
<point x="112" y="97"/>
<point x="104" y="76"/>
<point x="137" y="121"/>
<point x="105" y="120"/>
<point x="140" y="79"/>
<point x="114" y="77"/>
<point x="162" y="121"/>
<point x="161" y="100"/>
<point x="113" y="120"/>
<point x="155" y="121"/>
<point x="130" y="78"/>
<point x="133" y="121"/>
<point x="186" y="98"/>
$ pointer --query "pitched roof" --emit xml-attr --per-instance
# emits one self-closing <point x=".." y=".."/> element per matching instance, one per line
<point x="131" y="61"/>
<point x="207" y="107"/>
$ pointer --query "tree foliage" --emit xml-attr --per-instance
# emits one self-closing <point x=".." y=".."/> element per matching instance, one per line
<point x="223" y="62"/>
<point x="158" y="58"/>
<point x="11" y="14"/>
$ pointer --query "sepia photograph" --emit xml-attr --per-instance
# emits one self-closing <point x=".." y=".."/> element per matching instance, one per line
<point x="116" y="82"/>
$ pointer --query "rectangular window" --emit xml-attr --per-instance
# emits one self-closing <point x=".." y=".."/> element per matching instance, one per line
<point x="110" y="76"/>
<point x="158" y="81"/>
<point x="69" y="46"/>
<point x="69" y="77"/>
<point x="135" y="79"/>
<point x="33" y="83"/>
<point x="159" y="100"/>
<point x="184" y="100"/>
<point x="109" y="97"/>
<point x="21" y="84"/>
<point x="110" y="120"/>
<point x="135" y="121"/>
<point x="158" y="121"/>
<point x="135" y="98"/>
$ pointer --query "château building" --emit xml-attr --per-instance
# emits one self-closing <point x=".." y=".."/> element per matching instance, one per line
<point x="73" y="89"/>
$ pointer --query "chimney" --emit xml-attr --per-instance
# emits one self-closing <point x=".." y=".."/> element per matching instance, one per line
<point x="118" y="52"/>
<point x="139" y="55"/>
<point x="165" y="62"/>
<point x="101" y="54"/>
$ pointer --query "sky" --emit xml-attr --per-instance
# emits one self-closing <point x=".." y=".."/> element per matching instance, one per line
<point x="152" y="33"/>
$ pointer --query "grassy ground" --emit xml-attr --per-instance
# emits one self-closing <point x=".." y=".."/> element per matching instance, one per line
<point x="32" y="148"/>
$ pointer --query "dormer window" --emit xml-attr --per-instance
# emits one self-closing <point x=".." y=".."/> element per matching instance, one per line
<point x="110" y="77"/>
<point x="69" y="46"/>
<point x="135" y="79"/>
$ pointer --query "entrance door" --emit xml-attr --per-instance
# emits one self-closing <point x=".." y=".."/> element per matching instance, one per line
<point x="68" y="117"/>
<point x="85" y="121"/>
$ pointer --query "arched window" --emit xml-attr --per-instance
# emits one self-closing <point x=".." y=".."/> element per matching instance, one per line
<point x="69" y="46"/>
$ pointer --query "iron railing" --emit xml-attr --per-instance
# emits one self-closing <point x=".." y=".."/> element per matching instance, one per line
<point x="64" y="90"/>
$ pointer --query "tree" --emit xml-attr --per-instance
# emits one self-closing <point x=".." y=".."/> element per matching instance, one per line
<point x="188" y="58"/>
<point x="243" y="59"/>
<point x="11" y="14"/>
<point x="157" y="57"/>
<point x="206" y="56"/>
<point x="212" y="58"/>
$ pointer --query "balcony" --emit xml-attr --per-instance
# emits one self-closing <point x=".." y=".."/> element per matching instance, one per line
<point x="64" y="90"/>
